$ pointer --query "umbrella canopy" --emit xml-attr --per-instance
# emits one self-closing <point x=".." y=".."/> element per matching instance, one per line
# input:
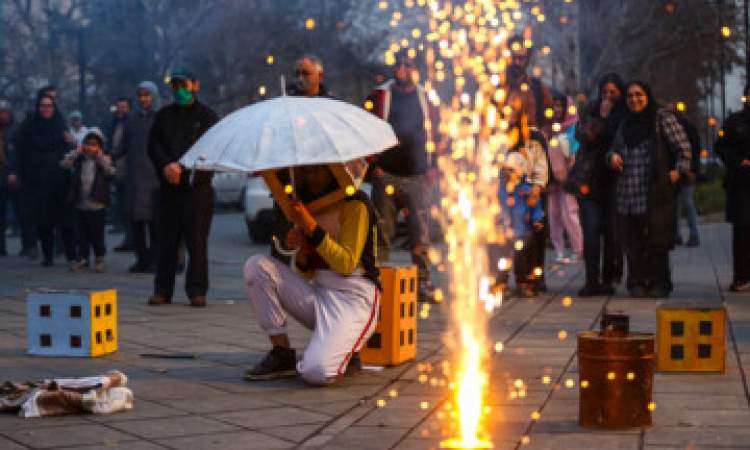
<point x="288" y="132"/>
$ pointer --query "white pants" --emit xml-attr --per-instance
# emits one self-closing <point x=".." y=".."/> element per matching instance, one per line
<point x="341" y="311"/>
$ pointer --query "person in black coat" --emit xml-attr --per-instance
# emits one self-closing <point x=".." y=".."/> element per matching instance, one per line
<point x="592" y="181"/>
<point x="186" y="200"/>
<point x="652" y="153"/>
<point x="734" y="150"/>
<point x="41" y="144"/>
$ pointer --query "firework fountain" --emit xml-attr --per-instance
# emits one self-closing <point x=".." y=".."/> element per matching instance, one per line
<point x="466" y="53"/>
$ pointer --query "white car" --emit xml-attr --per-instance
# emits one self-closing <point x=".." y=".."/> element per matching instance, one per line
<point x="258" y="205"/>
<point x="229" y="188"/>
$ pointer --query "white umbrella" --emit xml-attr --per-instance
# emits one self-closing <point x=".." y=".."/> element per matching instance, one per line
<point x="288" y="132"/>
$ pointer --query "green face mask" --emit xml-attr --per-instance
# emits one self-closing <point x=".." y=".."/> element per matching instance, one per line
<point x="182" y="96"/>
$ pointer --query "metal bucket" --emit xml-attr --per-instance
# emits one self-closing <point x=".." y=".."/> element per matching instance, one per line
<point x="616" y="380"/>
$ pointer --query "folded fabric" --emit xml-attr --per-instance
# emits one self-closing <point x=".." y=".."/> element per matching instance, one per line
<point x="104" y="394"/>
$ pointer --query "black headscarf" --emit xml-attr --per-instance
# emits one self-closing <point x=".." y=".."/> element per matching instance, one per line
<point x="642" y="125"/>
<point x="619" y="109"/>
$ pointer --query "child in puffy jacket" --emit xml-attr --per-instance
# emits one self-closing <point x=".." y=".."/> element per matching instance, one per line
<point x="522" y="216"/>
<point x="89" y="195"/>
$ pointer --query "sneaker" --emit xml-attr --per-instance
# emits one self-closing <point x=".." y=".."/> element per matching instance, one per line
<point x="199" y="301"/>
<point x="158" y="299"/>
<point x="99" y="266"/>
<point x="354" y="366"/>
<point x="426" y="293"/>
<point x="525" y="290"/>
<point x="280" y="362"/>
<point x="78" y="266"/>
<point x="740" y="286"/>
<point x="694" y="241"/>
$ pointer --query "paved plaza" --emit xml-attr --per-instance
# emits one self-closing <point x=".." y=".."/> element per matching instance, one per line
<point x="203" y="403"/>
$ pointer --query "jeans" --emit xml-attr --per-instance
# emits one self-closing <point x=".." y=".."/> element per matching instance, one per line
<point x="410" y="193"/>
<point x="685" y="202"/>
<point x="599" y="224"/>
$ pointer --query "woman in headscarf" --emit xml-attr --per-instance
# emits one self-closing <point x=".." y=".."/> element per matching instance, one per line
<point x="41" y="144"/>
<point x="142" y="180"/>
<point x="592" y="182"/>
<point x="652" y="153"/>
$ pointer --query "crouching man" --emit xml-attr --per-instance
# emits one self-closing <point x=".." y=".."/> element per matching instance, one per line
<point x="332" y="287"/>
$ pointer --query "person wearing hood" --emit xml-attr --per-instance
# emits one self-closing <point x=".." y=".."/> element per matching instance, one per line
<point x="592" y="181"/>
<point x="40" y="145"/>
<point x="563" y="208"/>
<point x="6" y="140"/>
<point x="651" y="152"/>
<point x="734" y="150"/>
<point x="408" y="168"/>
<point x="186" y="197"/>
<point x="76" y="127"/>
<point x="142" y="181"/>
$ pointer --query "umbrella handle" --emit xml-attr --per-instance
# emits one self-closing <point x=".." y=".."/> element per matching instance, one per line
<point x="282" y="251"/>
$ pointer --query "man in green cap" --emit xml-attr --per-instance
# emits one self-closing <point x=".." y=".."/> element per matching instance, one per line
<point x="186" y="200"/>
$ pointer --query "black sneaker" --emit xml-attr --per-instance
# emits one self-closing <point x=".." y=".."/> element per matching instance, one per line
<point x="354" y="366"/>
<point x="694" y="241"/>
<point x="279" y="363"/>
<point x="740" y="286"/>
<point x="426" y="293"/>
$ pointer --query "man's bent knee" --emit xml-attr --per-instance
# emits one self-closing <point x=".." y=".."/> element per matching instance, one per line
<point x="314" y="373"/>
<point x="257" y="266"/>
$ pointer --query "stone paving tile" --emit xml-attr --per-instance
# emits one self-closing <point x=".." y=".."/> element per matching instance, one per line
<point x="295" y="433"/>
<point x="365" y="438"/>
<point x="271" y="417"/>
<point x="7" y="444"/>
<point x="80" y="434"/>
<point x="125" y="445"/>
<point x="713" y="437"/>
<point x="246" y="440"/>
<point x="581" y="440"/>
<point x="172" y="426"/>
<point x="11" y="422"/>
<point x="220" y="403"/>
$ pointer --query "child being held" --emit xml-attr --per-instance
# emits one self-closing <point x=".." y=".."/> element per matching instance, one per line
<point x="522" y="214"/>
<point x="89" y="195"/>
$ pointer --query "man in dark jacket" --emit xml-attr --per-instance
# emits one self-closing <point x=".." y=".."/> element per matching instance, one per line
<point x="734" y="150"/>
<point x="141" y="180"/>
<point x="403" y="175"/>
<point x="186" y="200"/>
